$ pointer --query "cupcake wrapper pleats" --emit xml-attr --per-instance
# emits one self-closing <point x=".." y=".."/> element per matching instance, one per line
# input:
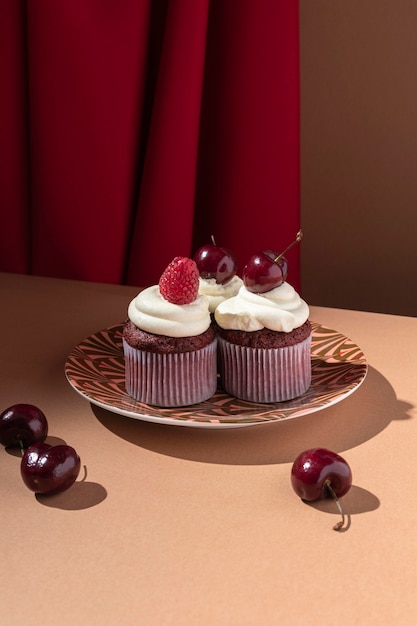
<point x="265" y="375"/>
<point x="170" y="380"/>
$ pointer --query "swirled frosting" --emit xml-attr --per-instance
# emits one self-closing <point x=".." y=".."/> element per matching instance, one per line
<point x="217" y="293"/>
<point x="149" y="311"/>
<point x="280" y="309"/>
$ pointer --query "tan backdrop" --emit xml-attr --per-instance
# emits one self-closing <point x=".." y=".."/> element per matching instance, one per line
<point x="359" y="154"/>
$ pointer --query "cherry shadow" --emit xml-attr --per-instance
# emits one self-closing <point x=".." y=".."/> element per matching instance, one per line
<point x="356" y="419"/>
<point x="356" y="501"/>
<point x="81" y="495"/>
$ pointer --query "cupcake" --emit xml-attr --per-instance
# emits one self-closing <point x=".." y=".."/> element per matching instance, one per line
<point x="169" y="344"/>
<point x="264" y="335"/>
<point x="217" y="273"/>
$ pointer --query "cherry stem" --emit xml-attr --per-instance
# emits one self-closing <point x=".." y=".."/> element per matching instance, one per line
<point x="330" y="489"/>
<point x="298" y="238"/>
<point x="83" y="479"/>
<point x="22" y="447"/>
<point x="213" y="241"/>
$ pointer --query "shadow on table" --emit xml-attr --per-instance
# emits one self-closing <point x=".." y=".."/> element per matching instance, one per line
<point x="357" y="500"/>
<point x="345" y="425"/>
<point x="82" y="495"/>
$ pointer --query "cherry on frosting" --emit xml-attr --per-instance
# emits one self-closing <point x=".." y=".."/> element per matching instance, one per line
<point x="267" y="270"/>
<point x="215" y="261"/>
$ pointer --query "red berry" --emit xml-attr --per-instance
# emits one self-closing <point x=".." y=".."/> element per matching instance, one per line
<point x="22" y="424"/>
<point x="320" y="473"/>
<point x="213" y="261"/>
<point x="49" y="469"/>
<point x="179" y="282"/>
<point x="313" y="470"/>
<point x="265" y="271"/>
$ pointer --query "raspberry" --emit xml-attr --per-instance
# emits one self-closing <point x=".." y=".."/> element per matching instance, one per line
<point x="179" y="282"/>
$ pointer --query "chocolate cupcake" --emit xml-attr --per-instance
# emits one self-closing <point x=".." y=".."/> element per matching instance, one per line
<point x="264" y="342"/>
<point x="169" y="345"/>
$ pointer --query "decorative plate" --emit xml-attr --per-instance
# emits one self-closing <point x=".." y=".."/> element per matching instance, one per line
<point x="95" y="369"/>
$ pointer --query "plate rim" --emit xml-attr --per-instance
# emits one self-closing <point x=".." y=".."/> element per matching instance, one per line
<point x="206" y="422"/>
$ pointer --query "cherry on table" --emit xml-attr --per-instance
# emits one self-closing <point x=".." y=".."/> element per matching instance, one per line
<point x="49" y="469"/>
<point x="319" y="473"/>
<point x="215" y="261"/>
<point x="22" y="425"/>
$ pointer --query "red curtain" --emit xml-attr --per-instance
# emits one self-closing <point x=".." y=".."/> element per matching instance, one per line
<point x="132" y="130"/>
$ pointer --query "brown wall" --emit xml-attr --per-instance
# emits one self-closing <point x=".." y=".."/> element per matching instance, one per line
<point x="359" y="154"/>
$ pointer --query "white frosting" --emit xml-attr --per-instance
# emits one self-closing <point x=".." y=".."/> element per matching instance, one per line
<point x="217" y="293"/>
<point x="150" y="311"/>
<point x="280" y="309"/>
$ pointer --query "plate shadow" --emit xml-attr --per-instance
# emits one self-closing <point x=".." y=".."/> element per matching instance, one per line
<point x="356" y="419"/>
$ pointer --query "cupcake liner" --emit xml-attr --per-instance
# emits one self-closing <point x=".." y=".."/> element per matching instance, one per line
<point x="170" y="380"/>
<point x="265" y="374"/>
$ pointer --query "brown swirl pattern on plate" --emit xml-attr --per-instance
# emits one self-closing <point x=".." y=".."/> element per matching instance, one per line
<point x="95" y="369"/>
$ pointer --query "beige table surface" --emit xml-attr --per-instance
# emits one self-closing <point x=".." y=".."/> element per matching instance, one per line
<point x="182" y="526"/>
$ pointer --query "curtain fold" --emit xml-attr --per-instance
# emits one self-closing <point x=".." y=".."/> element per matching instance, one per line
<point x="165" y="212"/>
<point x="131" y="131"/>
<point x="14" y="164"/>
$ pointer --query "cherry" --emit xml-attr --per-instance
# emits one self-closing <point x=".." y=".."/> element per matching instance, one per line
<point x="267" y="270"/>
<point x="262" y="273"/>
<point x="49" y="469"/>
<point x="22" y="425"/>
<point x="318" y="473"/>
<point x="213" y="261"/>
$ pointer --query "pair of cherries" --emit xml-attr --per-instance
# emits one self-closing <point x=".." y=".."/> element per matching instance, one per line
<point x="44" y="468"/>
<point x="264" y="271"/>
